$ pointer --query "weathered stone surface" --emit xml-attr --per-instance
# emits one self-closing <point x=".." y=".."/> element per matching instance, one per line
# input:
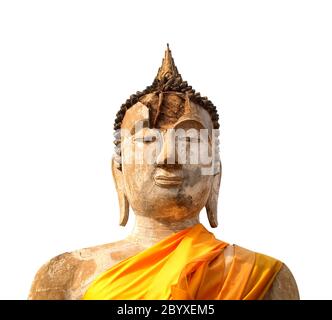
<point x="165" y="198"/>
<point x="283" y="287"/>
<point x="68" y="276"/>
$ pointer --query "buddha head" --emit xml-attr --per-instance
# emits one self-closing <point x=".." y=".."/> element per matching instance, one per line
<point x="166" y="164"/>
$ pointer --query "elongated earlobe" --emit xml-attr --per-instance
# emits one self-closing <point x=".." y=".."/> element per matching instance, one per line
<point x="119" y="185"/>
<point x="212" y="202"/>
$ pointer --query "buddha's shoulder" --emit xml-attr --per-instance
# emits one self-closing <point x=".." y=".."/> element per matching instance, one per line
<point x="70" y="269"/>
<point x="283" y="287"/>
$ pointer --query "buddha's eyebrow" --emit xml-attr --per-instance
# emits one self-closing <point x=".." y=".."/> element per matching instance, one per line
<point x="138" y="125"/>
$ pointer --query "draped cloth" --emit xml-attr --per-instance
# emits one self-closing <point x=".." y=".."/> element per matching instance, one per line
<point x="188" y="265"/>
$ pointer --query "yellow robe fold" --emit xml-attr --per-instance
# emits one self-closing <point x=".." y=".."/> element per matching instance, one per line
<point x="188" y="265"/>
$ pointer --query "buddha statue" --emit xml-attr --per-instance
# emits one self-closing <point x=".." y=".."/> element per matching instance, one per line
<point x="167" y="168"/>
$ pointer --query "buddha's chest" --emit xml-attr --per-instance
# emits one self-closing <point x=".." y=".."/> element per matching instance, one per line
<point x="91" y="267"/>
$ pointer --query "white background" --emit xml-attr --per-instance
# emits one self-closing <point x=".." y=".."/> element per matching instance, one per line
<point x="67" y="66"/>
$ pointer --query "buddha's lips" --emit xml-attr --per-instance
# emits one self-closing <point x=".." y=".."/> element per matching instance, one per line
<point x="167" y="181"/>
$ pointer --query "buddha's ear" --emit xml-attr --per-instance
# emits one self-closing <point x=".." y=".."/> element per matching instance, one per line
<point x="119" y="185"/>
<point x="212" y="202"/>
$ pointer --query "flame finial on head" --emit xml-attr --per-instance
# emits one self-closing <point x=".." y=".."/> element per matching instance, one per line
<point x="168" y="79"/>
<point x="168" y="70"/>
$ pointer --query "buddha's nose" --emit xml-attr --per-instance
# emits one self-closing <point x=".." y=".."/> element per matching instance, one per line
<point x="167" y="154"/>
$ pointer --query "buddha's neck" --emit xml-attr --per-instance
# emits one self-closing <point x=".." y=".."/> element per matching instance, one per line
<point x="148" y="231"/>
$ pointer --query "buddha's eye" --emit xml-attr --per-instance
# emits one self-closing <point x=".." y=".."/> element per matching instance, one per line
<point x="189" y="139"/>
<point x="145" y="139"/>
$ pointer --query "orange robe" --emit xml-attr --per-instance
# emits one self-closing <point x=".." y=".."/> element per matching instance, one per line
<point x="188" y="265"/>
